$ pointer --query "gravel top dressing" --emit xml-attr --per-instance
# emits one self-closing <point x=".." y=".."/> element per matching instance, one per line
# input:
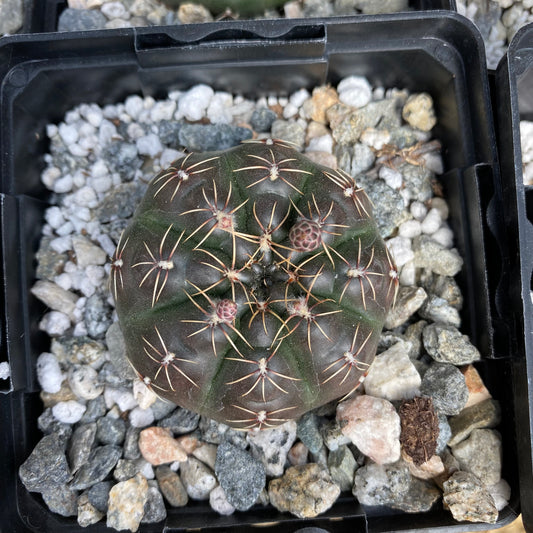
<point x="418" y="432"/>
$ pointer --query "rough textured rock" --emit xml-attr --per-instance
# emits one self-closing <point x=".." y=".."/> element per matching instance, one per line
<point x="171" y="486"/>
<point x="61" y="499"/>
<point x="198" y="479"/>
<point x="446" y="344"/>
<point x="240" y="475"/>
<point x="305" y="491"/>
<point x="159" y="447"/>
<point x="126" y="503"/>
<point x="80" y="445"/>
<point x="342" y="466"/>
<point x="373" y="425"/>
<point x="393" y="486"/>
<point x="445" y="385"/>
<point x="486" y="414"/>
<point x="468" y="500"/>
<point x="100" y="462"/>
<point x="408" y="302"/>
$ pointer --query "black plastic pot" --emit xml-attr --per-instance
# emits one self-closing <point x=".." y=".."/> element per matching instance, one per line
<point x="42" y="76"/>
<point x="50" y="10"/>
<point x="514" y="102"/>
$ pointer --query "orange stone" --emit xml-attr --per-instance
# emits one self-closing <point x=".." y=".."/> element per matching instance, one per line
<point x="476" y="388"/>
<point x="158" y="446"/>
<point x="188" y="443"/>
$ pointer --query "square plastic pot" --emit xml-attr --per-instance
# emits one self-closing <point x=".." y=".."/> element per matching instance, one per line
<point x="42" y="76"/>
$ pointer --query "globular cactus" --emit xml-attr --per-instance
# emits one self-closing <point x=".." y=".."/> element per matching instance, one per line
<point x="252" y="284"/>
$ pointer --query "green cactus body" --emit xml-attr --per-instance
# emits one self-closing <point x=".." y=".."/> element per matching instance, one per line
<point x="252" y="284"/>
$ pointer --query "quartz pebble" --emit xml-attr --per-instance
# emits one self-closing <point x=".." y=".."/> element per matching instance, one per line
<point x="468" y="500"/>
<point x="197" y="478"/>
<point x="83" y="382"/>
<point x="271" y="446"/>
<point x="68" y="412"/>
<point x="304" y="491"/>
<point x="158" y="447"/>
<point x="87" y="513"/>
<point x="392" y="375"/>
<point x="418" y="111"/>
<point x="373" y="425"/>
<point x="219" y="502"/>
<point x="126" y="503"/>
<point x="49" y="373"/>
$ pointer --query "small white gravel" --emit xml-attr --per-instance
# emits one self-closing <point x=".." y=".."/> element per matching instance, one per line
<point x="68" y="412"/>
<point x="5" y="370"/>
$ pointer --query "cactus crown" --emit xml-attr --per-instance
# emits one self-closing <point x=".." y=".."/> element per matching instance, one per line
<point x="252" y="284"/>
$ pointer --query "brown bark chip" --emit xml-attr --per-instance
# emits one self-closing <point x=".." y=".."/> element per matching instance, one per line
<point x="420" y="429"/>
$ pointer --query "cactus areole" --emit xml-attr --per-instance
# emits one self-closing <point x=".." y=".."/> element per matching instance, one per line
<point x="252" y="284"/>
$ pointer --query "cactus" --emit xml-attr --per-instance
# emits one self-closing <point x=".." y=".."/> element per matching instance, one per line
<point x="252" y="284"/>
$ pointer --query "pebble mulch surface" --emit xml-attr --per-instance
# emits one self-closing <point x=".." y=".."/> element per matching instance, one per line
<point x="113" y="451"/>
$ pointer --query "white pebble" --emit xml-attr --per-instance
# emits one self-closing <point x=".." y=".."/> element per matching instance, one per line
<point x="51" y="130"/>
<point x="86" y="287"/>
<point x="408" y="274"/>
<point x="79" y="330"/>
<point x="444" y="236"/>
<point x="219" y="502"/>
<point x="141" y="418"/>
<point x="144" y="396"/>
<point x="442" y="206"/>
<point x="324" y="143"/>
<point x="78" y="180"/>
<point x="115" y="10"/>
<point x="501" y="494"/>
<point x="64" y="281"/>
<point x="95" y="274"/>
<point x="5" y="370"/>
<point x="431" y="222"/>
<point x="299" y="97"/>
<point x="66" y="229"/>
<point x="135" y="131"/>
<point x="375" y="138"/>
<point x="355" y="91"/>
<point x="102" y="183"/>
<point x="410" y="229"/>
<point x="105" y="242"/>
<point x="55" y="323"/>
<point x="54" y="216"/>
<point x="63" y="185"/>
<point x="92" y="114"/>
<point x="72" y="116"/>
<point x="99" y="169"/>
<point x="168" y="156"/>
<point x="418" y="210"/>
<point x="145" y="468"/>
<point x="174" y="95"/>
<point x="283" y="101"/>
<point x="83" y="381"/>
<point x="400" y="249"/>
<point x="163" y="110"/>
<point x="121" y="397"/>
<point x="78" y="150"/>
<point x="49" y="373"/>
<point x="194" y="102"/>
<point x="61" y="244"/>
<point x="50" y="175"/>
<point x="85" y="197"/>
<point x="68" y="412"/>
<point x="107" y="132"/>
<point x="134" y="105"/>
<point x="220" y="108"/>
<point x="393" y="178"/>
<point x="289" y="111"/>
<point x="68" y="133"/>
<point x="149" y="145"/>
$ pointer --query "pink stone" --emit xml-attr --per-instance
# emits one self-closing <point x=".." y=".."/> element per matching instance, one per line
<point x="373" y="425"/>
<point x="298" y="454"/>
<point x="159" y="447"/>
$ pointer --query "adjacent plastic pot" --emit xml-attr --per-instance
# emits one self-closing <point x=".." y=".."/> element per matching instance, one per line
<point x="514" y="102"/>
<point x="42" y="76"/>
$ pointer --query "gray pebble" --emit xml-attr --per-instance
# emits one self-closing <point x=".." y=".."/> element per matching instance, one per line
<point x="87" y="513"/>
<point x="262" y="119"/>
<point x="445" y="433"/>
<point x="210" y="137"/>
<point x="48" y="424"/>
<point x="98" y="495"/>
<point x="212" y="431"/>
<point x="46" y="467"/>
<point x="485" y="414"/>
<point x="388" y="204"/>
<point x="437" y="309"/>
<point x="110" y="430"/>
<point x="408" y="302"/>
<point x="49" y="262"/>
<point x="100" y="462"/>
<point x="123" y="158"/>
<point x="413" y="335"/>
<point x="12" y="16"/>
<point x="80" y="445"/>
<point x="97" y="316"/>
<point x="445" y="287"/>
<point x="154" y="508"/>
<point x="180" y="421"/>
<point x="307" y="430"/>
<point x="362" y="160"/>
<point x="162" y="408"/>
<point x="168" y="133"/>
<point x="78" y="350"/>
<point x="117" y="352"/>
<point x="446" y="385"/>
<point x="393" y="486"/>
<point x="446" y="344"/>
<point x="289" y="131"/>
<point x="131" y="443"/>
<point x="417" y="181"/>
<point x="81" y="20"/>
<point x="333" y="436"/>
<point x="61" y="499"/>
<point x="481" y="454"/>
<point x="241" y="476"/>
<point x="342" y="466"/>
<point x="125" y="469"/>
<point x="431" y="255"/>
<point x="109" y="375"/>
<point x="171" y="486"/>
<point x="120" y="202"/>
<point x="95" y="409"/>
